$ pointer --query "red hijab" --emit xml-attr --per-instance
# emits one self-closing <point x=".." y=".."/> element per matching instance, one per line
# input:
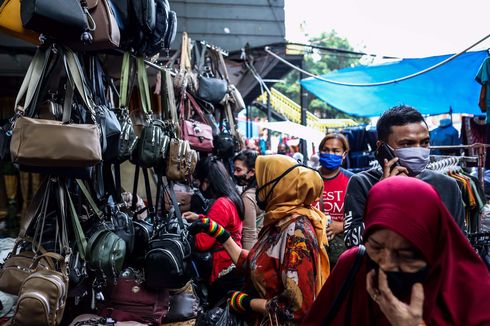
<point x="457" y="290"/>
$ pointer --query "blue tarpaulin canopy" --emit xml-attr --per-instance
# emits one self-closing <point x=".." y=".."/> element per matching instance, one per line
<point x="451" y="85"/>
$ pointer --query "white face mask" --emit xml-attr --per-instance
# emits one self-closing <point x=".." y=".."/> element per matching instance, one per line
<point x="413" y="158"/>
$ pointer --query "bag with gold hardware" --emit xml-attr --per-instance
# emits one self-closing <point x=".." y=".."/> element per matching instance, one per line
<point x="129" y="300"/>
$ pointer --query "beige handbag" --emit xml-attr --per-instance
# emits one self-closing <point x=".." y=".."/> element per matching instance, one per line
<point x="181" y="161"/>
<point x="42" y="296"/>
<point x="49" y="143"/>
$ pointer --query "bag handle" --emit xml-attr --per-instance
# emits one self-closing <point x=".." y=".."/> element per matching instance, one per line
<point x="54" y="256"/>
<point x="169" y="185"/>
<point x="32" y="80"/>
<point x="143" y="86"/>
<point x="168" y="97"/>
<point x="89" y="198"/>
<point x="77" y="227"/>
<point x="124" y="84"/>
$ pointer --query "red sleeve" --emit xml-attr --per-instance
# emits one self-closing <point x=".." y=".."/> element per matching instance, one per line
<point x="220" y="213"/>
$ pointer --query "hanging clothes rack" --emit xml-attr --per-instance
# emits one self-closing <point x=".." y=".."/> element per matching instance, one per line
<point x="481" y="150"/>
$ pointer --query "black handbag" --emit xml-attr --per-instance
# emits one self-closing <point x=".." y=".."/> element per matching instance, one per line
<point x="155" y="41"/>
<point x="142" y="15"/>
<point x="106" y="118"/>
<point x="210" y="88"/>
<point x="63" y="20"/>
<point x="171" y="30"/>
<point x="123" y="227"/>
<point x="167" y="261"/>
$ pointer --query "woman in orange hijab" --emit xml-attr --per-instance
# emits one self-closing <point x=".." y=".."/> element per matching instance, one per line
<point x="287" y="267"/>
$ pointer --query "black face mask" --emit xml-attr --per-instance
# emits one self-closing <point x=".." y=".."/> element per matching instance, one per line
<point x="401" y="283"/>
<point x="262" y="204"/>
<point x="242" y="180"/>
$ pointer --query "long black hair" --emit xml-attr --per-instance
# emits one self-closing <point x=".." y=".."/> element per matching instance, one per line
<point x="220" y="182"/>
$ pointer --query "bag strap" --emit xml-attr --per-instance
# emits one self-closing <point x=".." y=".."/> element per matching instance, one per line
<point x="169" y="185"/>
<point x="77" y="227"/>
<point x="149" y="199"/>
<point x="32" y="80"/>
<point x="168" y="97"/>
<point x="89" y="198"/>
<point x="185" y="62"/>
<point x="143" y="86"/>
<point x="134" y="199"/>
<point x="124" y="84"/>
<point x="348" y="283"/>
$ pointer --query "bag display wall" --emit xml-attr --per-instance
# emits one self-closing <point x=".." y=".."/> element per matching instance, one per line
<point x="97" y="134"/>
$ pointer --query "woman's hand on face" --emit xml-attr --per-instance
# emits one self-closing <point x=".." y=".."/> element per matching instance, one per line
<point x="397" y="312"/>
<point x="190" y="216"/>
<point x="334" y="229"/>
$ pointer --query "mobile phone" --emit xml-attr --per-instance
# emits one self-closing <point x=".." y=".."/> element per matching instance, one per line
<point x="384" y="152"/>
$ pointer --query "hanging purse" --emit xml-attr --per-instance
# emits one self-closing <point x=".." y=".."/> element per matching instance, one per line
<point x="151" y="147"/>
<point x="51" y="144"/>
<point x="197" y="133"/>
<point x="11" y="23"/>
<point x="210" y="89"/>
<point x="181" y="161"/>
<point x="63" y="20"/>
<point x="42" y="296"/>
<point x="167" y="263"/>
<point x="106" y="35"/>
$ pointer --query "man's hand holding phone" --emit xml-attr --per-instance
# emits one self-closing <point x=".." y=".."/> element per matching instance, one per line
<point x="392" y="168"/>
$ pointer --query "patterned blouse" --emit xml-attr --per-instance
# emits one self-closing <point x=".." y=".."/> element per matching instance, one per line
<point x="281" y="269"/>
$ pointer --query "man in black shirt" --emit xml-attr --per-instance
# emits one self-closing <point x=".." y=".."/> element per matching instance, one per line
<point x="405" y="133"/>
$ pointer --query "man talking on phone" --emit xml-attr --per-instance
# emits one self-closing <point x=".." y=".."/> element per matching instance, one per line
<point x="403" y="149"/>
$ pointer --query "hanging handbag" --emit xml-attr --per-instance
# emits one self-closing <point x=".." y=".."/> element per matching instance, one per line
<point x="155" y="41"/>
<point x="63" y="20"/>
<point x="49" y="143"/>
<point x="106" y="35"/>
<point x="151" y="147"/>
<point x="143" y="19"/>
<point x="210" y="88"/>
<point x="171" y="30"/>
<point x="42" y="296"/>
<point x="181" y="161"/>
<point x="129" y="300"/>
<point x="197" y="133"/>
<point x="167" y="263"/>
<point x="105" y="117"/>
<point x="11" y="23"/>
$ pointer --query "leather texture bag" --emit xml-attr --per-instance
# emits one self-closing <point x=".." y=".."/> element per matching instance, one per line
<point x="63" y="20"/>
<point x="106" y="35"/>
<point x="17" y="267"/>
<point x="184" y="305"/>
<point x="155" y="41"/>
<point x="129" y="300"/>
<point x="197" y="133"/>
<point x="11" y="23"/>
<point x="181" y="161"/>
<point x="167" y="263"/>
<point x="49" y="143"/>
<point x="143" y="19"/>
<point x="123" y="227"/>
<point x="210" y="88"/>
<point x="42" y="296"/>
<point x="171" y="30"/>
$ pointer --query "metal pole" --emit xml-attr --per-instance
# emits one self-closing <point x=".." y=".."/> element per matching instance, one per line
<point x="302" y="99"/>
<point x="247" y="119"/>
<point x="269" y="119"/>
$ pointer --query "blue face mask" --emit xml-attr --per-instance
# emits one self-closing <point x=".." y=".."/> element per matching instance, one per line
<point x="330" y="161"/>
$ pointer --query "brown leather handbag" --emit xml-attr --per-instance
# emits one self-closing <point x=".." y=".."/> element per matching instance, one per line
<point x="49" y="143"/>
<point x="42" y="296"/>
<point x="17" y="266"/>
<point x="181" y="160"/>
<point x="107" y="34"/>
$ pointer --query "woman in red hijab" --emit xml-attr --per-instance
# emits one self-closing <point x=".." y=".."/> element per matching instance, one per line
<point x="418" y="269"/>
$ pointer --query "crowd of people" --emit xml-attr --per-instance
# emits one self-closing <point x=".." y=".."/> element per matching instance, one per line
<point x="317" y="245"/>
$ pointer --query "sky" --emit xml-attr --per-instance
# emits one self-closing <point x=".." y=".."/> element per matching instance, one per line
<point x="416" y="28"/>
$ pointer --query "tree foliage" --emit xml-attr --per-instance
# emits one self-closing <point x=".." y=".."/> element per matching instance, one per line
<point x="320" y="62"/>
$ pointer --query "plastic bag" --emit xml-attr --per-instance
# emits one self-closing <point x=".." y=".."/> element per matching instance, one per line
<point x="229" y="318"/>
